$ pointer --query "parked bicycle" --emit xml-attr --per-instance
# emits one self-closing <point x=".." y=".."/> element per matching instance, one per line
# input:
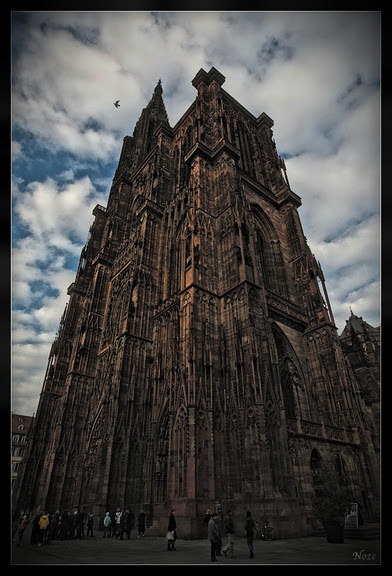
<point x="267" y="532"/>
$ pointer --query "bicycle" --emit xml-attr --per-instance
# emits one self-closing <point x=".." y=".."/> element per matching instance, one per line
<point x="268" y="533"/>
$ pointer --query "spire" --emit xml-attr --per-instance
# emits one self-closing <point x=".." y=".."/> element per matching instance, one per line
<point x="157" y="105"/>
<point x="143" y="139"/>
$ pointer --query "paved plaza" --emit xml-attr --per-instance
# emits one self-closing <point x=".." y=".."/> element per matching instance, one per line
<point x="152" y="550"/>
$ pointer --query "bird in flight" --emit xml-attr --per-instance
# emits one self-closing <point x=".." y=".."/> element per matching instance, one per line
<point x="117" y="103"/>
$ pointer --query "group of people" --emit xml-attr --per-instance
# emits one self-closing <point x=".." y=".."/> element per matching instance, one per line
<point x="215" y="528"/>
<point x="45" y="527"/>
<point x="121" y="522"/>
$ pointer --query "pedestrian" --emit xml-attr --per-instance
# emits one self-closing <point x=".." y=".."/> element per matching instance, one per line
<point x="66" y="529"/>
<point x="250" y="532"/>
<point x="107" y="523"/>
<point x="15" y="524"/>
<point x="219" y="545"/>
<point x="78" y="525"/>
<point x="53" y="526"/>
<point x="23" y="520"/>
<point x="126" y="524"/>
<point x="213" y="535"/>
<point x="172" y="527"/>
<point x="117" y="524"/>
<point x="43" y="527"/>
<point x="141" y="523"/>
<point x="90" y="524"/>
<point x="34" y="538"/>
<point x="113" y="524"/>
<point x="206" y="519"/>
<point x="82" y="522"/>
<point x="229" y="529"/>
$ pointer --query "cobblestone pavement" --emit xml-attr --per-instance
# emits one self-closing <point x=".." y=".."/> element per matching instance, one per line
<point x="152" y="550"/>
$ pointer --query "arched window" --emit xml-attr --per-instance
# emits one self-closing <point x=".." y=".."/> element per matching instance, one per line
<point x="246" y="149"/>
<point x="315" y="462"/>
<point x="188" y="140"/>
<point x="188" y="250"/>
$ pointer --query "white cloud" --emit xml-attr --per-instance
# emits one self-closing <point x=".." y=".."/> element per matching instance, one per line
<point x="58" y="214"/>
<point x="28" y="370"/>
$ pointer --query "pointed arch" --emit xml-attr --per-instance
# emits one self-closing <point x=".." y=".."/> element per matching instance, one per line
<point x="269" y="254"/>
<point x="291" y="374"/>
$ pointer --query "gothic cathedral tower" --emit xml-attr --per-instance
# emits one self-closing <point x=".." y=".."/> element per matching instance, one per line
<point x="197" y="364"/>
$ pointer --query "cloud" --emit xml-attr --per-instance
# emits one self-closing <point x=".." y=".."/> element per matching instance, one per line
<point x="31" y="359"/>
<point x="57" y="214"/>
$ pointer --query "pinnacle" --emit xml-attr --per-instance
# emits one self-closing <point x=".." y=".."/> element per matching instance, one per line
<point x="157" y="104"/>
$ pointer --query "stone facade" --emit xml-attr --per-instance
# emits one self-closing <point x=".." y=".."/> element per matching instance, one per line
<point x="197" y="364"/>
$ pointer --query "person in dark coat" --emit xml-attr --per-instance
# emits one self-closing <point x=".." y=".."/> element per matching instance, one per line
<point x="250" y="532"/>
<point x="213" y="535"/>
<point x="35" y="530"/>
<point x="172" y="527"/>
<point x="141" y="523"/>
<point x="126" y="524"/>
<point x="90" y="524"/>
<point x="206" y="519"/>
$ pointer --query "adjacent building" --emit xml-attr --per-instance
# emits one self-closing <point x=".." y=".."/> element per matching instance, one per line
<point x="20" y="428"/>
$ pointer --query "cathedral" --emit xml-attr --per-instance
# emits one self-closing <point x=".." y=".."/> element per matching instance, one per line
<point x="197" y="364"/>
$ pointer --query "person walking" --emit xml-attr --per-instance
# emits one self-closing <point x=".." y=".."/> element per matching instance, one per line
<point x="107" y="522"/>
<point x="90" y="524"/>
<point x="141" y="523"/>
<point x="250" y="532"/>
<point x="213" y="535"/>
<point x="229" y="529"/>
<point x="172" y="527"/>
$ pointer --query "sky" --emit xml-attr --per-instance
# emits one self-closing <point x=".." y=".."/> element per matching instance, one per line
<point x="316" y="74"/>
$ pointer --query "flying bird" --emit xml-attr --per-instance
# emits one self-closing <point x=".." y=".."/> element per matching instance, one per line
<point x="117" y="103"/>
